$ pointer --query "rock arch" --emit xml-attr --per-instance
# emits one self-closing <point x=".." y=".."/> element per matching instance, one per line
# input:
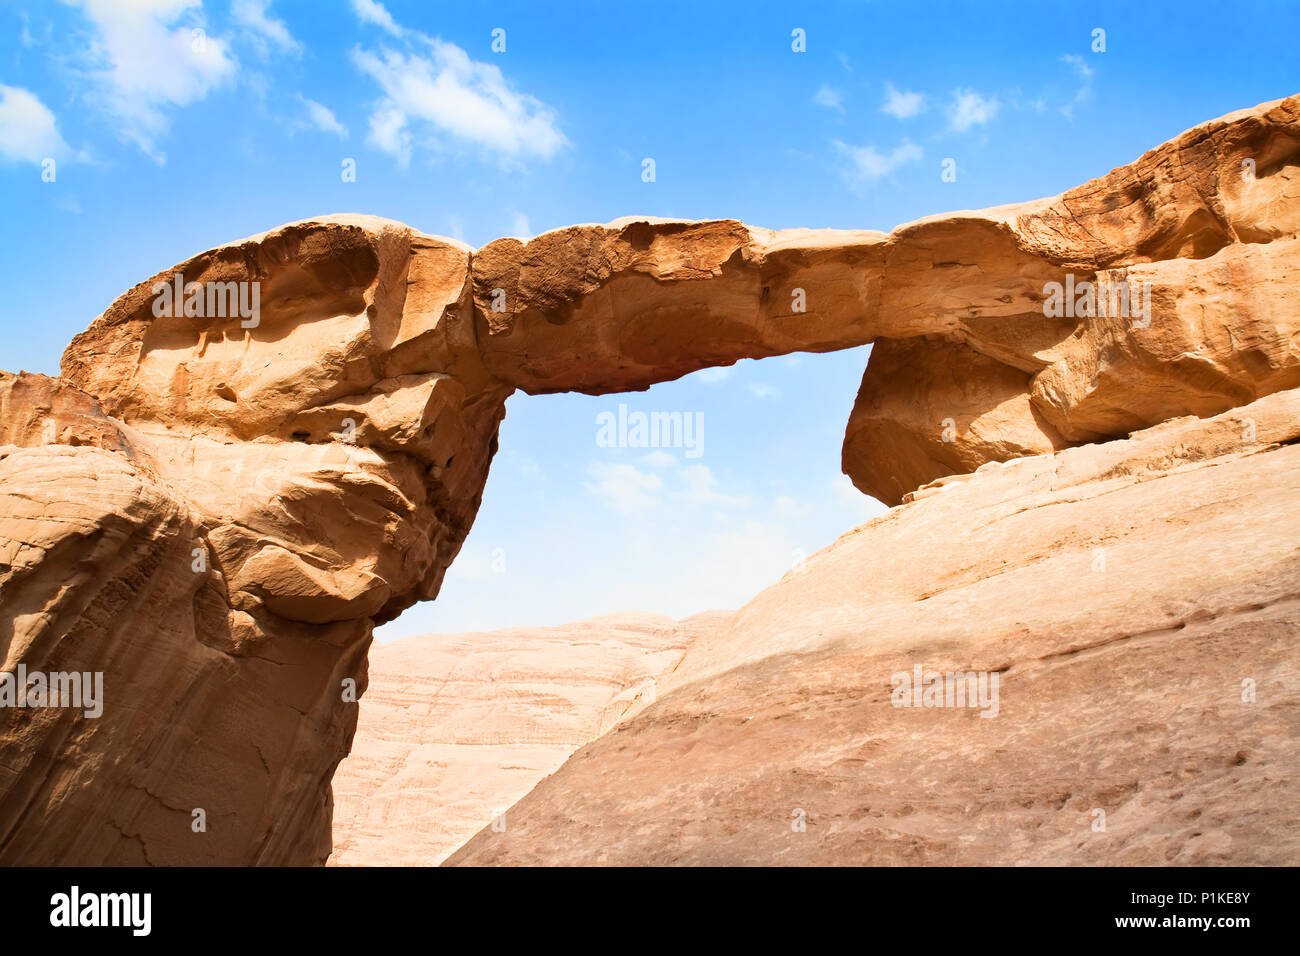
<point x="215" y="512"/>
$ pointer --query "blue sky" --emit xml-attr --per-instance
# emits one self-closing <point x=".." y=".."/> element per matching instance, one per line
<point x="166" y="142"/>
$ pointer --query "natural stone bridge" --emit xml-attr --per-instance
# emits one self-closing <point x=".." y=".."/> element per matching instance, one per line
<point x="215" y="516"/>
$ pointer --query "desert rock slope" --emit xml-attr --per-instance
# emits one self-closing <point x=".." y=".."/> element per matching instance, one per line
<point x="214" y="510"/>
<point x="1139" y="601"/>
<point x="456" y="728"/>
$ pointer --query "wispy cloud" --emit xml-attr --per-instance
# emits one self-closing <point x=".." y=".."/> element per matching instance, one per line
<point x="28" y="131"/>
<point x="322" y="118"/>
<point x="716" y="374"/>
<point x="867" y="164"/>
<point x="437" y="92"/>
<point x="829" y="97"/>
<point x="253" y="16"/>
<point x="1084" y="72"/>
<point x="1080" y="65"/>
<point x="520" y="227"/>
<point x="144" y="63"/>
<point x="371" y="11"/>
<point x="623" y="488"/>
<point x="701" y="489"/>
<point x="970" y="108"/>
<point x="902" y="104"/>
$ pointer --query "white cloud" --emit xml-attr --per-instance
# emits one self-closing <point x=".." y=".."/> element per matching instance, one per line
<point x="868" y="164"/>
<point x="693" y="540"/>
<point x="1084" y="72"/>
<point x="971" y="109"/>
<point x="702" y="488"/>
<point x="660" y="459"/>
<point x="145" y="63"/>
<point x="1080" y="65"/>
<point x="755" y="556"/>
<point x="388" y="132"/>
<point x="788" y="507"/>
<point x="902" y="104"/>
<point x="763" y="390"/>
<point x="446" y="95"/>
<point x="371" y="11"/>
<point x="323" y="118"/>
<point x="525" y="468"/>
<point x="623" y="488"/>
<point x="252" y="15"/>
<point x="472" y="567"/>
<point x="847" y="495"/>
<point x="28" y="131"/>
<point x="519" y="226"/>
<point x="636" y="492"/>
<point x="715" y="375"/>
<point x="530" y="470"/>
<point x="829" y="97"/>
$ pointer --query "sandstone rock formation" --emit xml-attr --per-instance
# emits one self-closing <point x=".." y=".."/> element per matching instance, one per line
<point x="456" y="728"/>
<point x="1203" y="230"/>
<point x="214" y="508"/>
<point x="105" y="568"/>
<point x="1140" y="602"/>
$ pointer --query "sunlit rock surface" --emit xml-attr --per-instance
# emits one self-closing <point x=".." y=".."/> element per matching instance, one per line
<point x="456" y="728"/>
<point x="213" y="506"/>
<point x="1138" y="602"/>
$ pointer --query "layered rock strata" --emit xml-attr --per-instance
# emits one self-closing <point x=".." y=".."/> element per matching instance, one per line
<point x="456" y="728"/>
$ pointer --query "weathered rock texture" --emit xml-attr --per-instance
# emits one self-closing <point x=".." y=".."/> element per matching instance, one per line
<point x="1124" y="592"/>
<point x="1209" y="220"/>
<point x="216" y="515"/>
<point x="456" y="728"/>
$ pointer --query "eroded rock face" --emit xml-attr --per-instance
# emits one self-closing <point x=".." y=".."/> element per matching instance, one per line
<point x="932" y="406"/>
<point x="611" y="308"/>
<point x="214" y="505"/>
<point x="1139" y="604"/>
<point x="355" y="420"/>
<point x="199" y="711"/>
<point x="456" y="728"/>
<point x="1201" y="232"/>
<point x="283" y="487"/>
